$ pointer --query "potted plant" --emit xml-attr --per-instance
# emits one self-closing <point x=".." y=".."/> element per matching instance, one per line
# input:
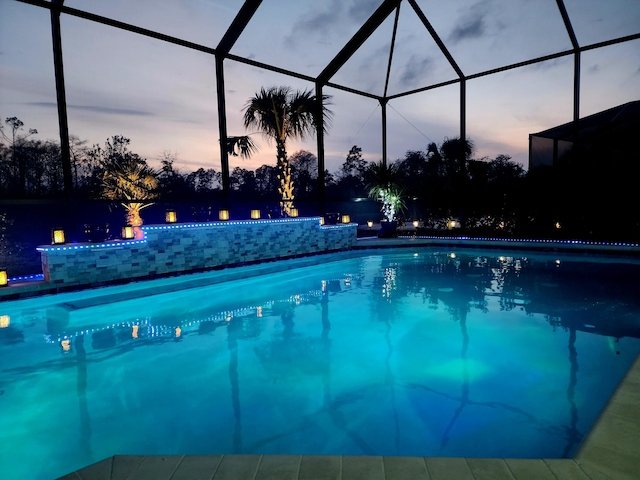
<point x="383" y="185"/>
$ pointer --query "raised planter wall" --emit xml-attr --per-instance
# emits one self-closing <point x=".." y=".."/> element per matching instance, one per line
<point x="178" y="248"/>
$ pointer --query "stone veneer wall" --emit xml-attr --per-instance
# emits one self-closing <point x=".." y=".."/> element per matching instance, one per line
<point x="175" y="248"/>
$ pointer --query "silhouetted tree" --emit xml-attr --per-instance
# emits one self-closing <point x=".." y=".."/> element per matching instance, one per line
<point x="16" y="142"/>
<point x="267" y="182"/>
<point x="350" y="178"/>
<point x="304" y="171"/>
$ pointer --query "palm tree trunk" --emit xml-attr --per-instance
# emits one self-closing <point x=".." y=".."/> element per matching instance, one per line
<point x="286" y="182"/>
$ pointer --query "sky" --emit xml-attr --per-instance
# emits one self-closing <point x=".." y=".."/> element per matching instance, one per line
<point x="163" y="97"/>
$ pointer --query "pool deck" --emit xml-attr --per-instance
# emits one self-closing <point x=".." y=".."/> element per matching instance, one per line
<point x="611" y="451"/>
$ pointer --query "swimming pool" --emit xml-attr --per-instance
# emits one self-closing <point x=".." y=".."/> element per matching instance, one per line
<point x="427" y="352"/>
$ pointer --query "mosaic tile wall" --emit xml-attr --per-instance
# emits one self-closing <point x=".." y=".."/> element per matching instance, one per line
<point x="175" y="248"/>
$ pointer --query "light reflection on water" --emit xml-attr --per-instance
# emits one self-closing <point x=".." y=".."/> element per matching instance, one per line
<point x="430" y="354"/>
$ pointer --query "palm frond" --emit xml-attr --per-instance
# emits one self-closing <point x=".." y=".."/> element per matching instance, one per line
<point x="242" y="146"/>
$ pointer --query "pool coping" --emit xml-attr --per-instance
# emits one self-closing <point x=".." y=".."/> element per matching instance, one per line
<point x="30" y="288"/>
<point x="610" y="452"/>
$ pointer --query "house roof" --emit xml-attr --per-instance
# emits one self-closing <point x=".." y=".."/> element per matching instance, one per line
<point x="623" y="120"/>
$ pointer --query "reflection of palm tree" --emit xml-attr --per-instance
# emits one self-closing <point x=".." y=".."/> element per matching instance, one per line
<point x="574" y="436"/>
<point x="464" y="397"/>
<point x="234" y="330"/>
<point x="85" y="420"/>
<point x="281" y="114"/>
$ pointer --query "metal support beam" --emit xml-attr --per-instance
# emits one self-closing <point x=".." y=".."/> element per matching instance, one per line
<point x="322" y="201"/>
<point x="374" y="21"/>
<point x="436" y="37"/>
<point x="564" y="53"/>
<point x="576" y="87"/>
<point x="238" y="25"/>
<point x="228" y="40"/>
<point x="61" y="98"/>
<point x="391" y="48"/>
<point x="383" y="106"/>
<point x="463" y="119"/>
<point x="222" y="128"/>
<point x="576" y="61"/>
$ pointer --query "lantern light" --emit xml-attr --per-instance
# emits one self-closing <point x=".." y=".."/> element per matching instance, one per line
<point x="127" y="232"/>
<point x="321" y="220"/>
<point x="223" y="215"/>
<point x="5" y="320"/>
<point x="171" y="216"/>
<point x="57" y="236"/>
<point x="346" y="219"/>
<point x="416" y="223"/>
<point x="255" y="214"/>
<point x="4" y="280"/>
<point x="293" y="212"/>
<point x="370" y="223"/>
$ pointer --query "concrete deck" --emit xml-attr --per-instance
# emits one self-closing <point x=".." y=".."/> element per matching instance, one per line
<point x="610" y="452"/>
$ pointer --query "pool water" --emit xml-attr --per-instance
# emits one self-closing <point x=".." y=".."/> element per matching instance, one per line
<point x="428" y="353"/>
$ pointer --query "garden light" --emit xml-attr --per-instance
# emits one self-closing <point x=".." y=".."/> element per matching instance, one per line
<point x="128" y="232"/>
<point x="171" y="216"/>
<point x="57" y="236"/>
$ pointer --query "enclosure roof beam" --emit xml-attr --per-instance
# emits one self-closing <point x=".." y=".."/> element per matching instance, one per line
<point x="567" y="24"/>
<point x="564" y="53"/>
<point x="238" y="25"/>
<point x="374" y="21"/>
<point x="191" y="45"/>
<point x="391" y="48"/>
<point x="436" y="37"/>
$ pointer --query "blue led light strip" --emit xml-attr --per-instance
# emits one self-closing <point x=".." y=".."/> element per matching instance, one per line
<point x="341" y="225"/>
<point x="90" y="246"/>
<point x="27" y="278"/>
<point x="229" y="222"/>
<point x="527" y="240"/>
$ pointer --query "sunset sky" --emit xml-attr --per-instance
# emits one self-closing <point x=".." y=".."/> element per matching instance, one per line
<point x="163" y="97"/>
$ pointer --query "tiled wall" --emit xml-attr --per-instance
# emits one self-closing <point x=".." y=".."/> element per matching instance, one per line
<point x="174" y="248"/>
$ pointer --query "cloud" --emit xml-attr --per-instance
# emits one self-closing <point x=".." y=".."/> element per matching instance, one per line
<point x="319" y="22"/>
<point x="414" y="70"/>
<point x="471" y="28"/>
<point x="472" y="24"/>
<point x="96" y="109"/>
<point x="362" y="9"/>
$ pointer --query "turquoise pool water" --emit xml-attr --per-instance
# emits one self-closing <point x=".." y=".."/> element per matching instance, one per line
<point x="430" y="353"/>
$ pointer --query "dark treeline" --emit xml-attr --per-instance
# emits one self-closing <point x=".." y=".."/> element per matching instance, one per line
<point x="578" y="198"/>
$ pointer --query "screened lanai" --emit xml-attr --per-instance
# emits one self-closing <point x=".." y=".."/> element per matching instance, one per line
<point x="175" y="76"/>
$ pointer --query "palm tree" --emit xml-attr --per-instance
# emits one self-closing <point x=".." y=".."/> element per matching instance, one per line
<point x="281" y="114"/>
<point x="383" y="184"/>
<point x="126" y="177"/>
